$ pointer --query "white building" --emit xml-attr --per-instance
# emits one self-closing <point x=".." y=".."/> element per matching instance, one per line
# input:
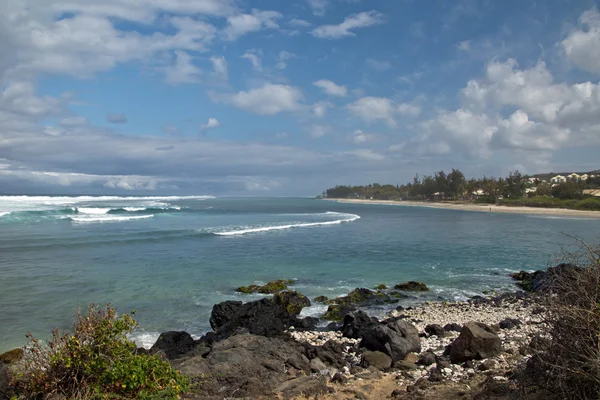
<point x="558" y="179"/>
<point x="573" y="177"/>
<point x="584" y="177"/>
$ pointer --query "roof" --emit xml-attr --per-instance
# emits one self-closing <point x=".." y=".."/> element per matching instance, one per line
<point x="592" y="192"/>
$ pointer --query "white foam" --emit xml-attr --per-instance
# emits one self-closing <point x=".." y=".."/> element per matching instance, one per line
<point x="109" y="218"/>
<point x="94" y="211"/>
<point x="133" y="209"/>
<point x="316" y="310"/>
<point x="3" y="214"/>
<point x="144" y="339"/>
<point x="353" y="217"/>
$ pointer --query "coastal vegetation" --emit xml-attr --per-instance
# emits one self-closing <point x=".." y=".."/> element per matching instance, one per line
<point x="516" y="189"/>
<point x="96" y="361"/>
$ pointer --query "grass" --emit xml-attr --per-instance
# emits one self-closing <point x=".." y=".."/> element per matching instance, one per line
<point x="590" y="203"/>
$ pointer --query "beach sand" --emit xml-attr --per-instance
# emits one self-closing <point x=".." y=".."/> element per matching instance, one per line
<point x="479" y="207"/>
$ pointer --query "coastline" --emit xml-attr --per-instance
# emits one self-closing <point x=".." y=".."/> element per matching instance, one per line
<point x="479" y="208"/>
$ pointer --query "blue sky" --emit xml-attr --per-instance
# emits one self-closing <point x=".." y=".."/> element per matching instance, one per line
<point x="259" y="98"/>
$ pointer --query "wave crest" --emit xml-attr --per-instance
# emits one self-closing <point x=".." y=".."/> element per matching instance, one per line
<point x="109" y="218"/>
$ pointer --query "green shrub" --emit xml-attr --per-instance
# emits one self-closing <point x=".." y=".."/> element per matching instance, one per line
<point x="485" y="200"/>
<point x="591" y="203"/>
<point x="97" y="361"/>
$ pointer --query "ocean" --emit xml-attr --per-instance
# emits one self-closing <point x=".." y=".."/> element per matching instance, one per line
<point x="171" y="258"/>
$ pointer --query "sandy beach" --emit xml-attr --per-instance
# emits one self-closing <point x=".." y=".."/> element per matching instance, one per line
<point x="479" y="208"/>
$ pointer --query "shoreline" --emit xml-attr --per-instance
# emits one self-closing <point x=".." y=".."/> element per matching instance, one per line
<point x="478" y="208"/>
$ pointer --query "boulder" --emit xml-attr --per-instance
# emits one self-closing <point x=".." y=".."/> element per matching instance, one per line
<point x="427" y="359"/>
<point x="316" y="365"/>
<point x="393" y="337"/>
<point x="306" y="324"/>
<point x="12" y="356"/>
<point x="321" y="299"/>
<point x="261" y="317"/>
<point x="223" y="312"/>
<point x="476" y="341"/>
<point x="376" y="359"/>
<point x="293" y="302"/>
<point x="298" y="361"/>
<point x="381" y="287"/>
<point x="453" y="327"/>
<point x="435" y="330"/>
<point x="173" y="344"/>
<point x="412" y="286"/>
<point x="331" y="353"/>
<point x="541" y="280"/>
<point x="357" y="323"/>
<point x="509" y="323"/>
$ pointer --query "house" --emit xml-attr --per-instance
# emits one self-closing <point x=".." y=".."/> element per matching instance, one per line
<point x="530" y="190"/>
<point x="584" y="177"/>
<point x="533" y="181"/>
<point x="573" y="177"/>
<point x="558" y="179"/>
<point x="592" y="192"/>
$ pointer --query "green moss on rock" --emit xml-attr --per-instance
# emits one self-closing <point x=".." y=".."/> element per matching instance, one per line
<point x="412" y="286"/>
<point x="337" y="312"/>
<point x="12" y="356"/>
<point x="321" y="299"/>
<point x="292" y="301"/>
<point x="270" y="288"/>
<point x="381" y="287"/>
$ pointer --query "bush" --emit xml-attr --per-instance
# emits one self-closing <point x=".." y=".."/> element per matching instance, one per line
<point x="97" y="361"/>
<point x="567" y="351"/>
<point x="485" y="200"/>
<point x="591" y="203"/>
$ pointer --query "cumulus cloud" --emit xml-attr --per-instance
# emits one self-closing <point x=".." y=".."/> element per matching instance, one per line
<point x="409" y="109"/>
<point x="300" y="23"/>
<point x="212" y="123"/>
<point x="73" y="121"/>
<point x="351" y="22"/>
<point x="331" y="88"/>
<point x="360" y="137"/>
<point x="318" y="7"/>
<point x="116" y="118"/>
<point x="270" y="99"/>
<point x="582" y="46"/>
<point x="283" y="57"/>
<point x="242" y="24"/>
<point x="372" y="109"/>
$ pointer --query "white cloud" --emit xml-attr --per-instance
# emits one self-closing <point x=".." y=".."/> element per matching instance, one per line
<point x="582" y="46"/>
<point x="318" y="7"/>
<point x="366" y="154"/>
<point x="242" y="24"/>
<point x="372" y="109"/>
<point x="212" y="123"/>
<point x="376" y="65"/>
<point x="355" y="21"/>
<point x="300" y="23"/>
<point x="409" y="109"/>
<point x="331" y="88"/>
<point x="219" y="67"/>
<point x="269" y="99"/>
<point x="254" y="57"/>
<point x="182" y="70"/>
<point x="320" y="108"/>
<point x="283" y="57"/>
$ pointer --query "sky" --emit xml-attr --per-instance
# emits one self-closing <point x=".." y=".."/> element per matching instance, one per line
<point x="290" y="97"/>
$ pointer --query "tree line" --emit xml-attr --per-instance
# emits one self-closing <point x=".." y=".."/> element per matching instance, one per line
<point x="454" y="186"/>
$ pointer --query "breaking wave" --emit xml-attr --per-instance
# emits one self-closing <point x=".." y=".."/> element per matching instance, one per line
<point x="109" y="218"/>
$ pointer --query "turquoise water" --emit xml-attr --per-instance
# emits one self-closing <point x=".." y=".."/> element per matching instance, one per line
<point x="171" y="259"/>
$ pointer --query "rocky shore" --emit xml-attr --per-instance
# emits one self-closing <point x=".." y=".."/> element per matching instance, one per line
<point x="263" y="349"/>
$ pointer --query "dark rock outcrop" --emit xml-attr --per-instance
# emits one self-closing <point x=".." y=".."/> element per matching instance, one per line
<point x="357" y="323"/>
<point x="246" y="365"/>
<point x="453" y="327"/>
<point x="393" y="337"/>
<point x="412" y="286"/>
<point x="542" y="280"/>
<point x="12" y="356"/>
<point x="427" y="359"/>
<point x="265" y="317"/>
<point x="476" y="341"/>
<point x="337" y="312"/>
<point x="173" y="344"/>
<point x="359" y="297"/>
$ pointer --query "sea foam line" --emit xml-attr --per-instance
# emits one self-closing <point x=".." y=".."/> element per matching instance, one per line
<point x="353" y="217"/>
<point x="109" y="218"/>
<point x="4" y="213"/>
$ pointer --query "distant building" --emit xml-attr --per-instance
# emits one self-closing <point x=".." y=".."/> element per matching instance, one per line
<point x="558" y="179"/>
<point x="530" y="190"/>
<point x="592" y="192"/>
<point x="584" y="177"/>
<point x="532" y="180"/>
<point x="573" y="177"/>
